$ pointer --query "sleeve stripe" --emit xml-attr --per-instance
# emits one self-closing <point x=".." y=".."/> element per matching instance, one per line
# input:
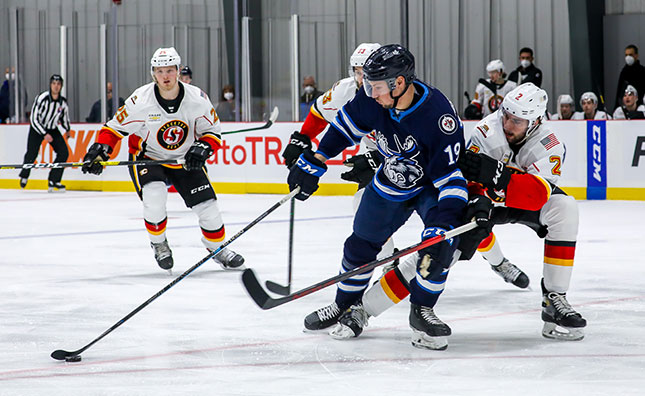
<point x="337" y="126"/>
<point x="359" y="133"/>
<point x="455" y="192"/>
<point x="455" y="175"/>
<point x="107" y="129"/>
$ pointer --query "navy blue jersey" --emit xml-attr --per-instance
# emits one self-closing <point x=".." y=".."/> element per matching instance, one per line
<point x="420" y="147"/>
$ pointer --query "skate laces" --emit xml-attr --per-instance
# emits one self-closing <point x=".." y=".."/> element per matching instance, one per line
<point x="328" y="312"/>
<point x="358" y="314"/>
<point x="162" y="250"/>
<point x="429" y="316"/>
<point x="225" y="255"/>
<point x="561" y="304"/>
<point x="508" y="270"/>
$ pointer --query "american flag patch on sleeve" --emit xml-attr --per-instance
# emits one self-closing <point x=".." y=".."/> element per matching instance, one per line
<point x="550" y="141"/>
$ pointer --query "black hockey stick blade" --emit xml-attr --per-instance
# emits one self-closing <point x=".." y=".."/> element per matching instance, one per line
<point x="278" y="288"/>
<point x="272" y="118"/>
<point x="264" y="301"/>
<point x="489" y="85"/>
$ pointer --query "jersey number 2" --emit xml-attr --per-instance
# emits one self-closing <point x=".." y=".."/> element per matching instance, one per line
<point x="558" y="163"/>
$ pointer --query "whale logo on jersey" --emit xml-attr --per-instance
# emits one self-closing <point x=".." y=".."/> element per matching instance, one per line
<point x="172" y="134"/>
<point x="400" y="167"/>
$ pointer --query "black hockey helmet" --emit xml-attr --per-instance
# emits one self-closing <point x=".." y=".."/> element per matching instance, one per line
<point x="389" y="62"/>
<point x="185" y="71"/>
<point x="56" y="77"/>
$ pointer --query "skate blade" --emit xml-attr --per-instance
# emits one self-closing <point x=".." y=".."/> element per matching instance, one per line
<point x="555" y="332"/>
<point x="169" y="272"/>
<point x="423" y="341"/>
<point x="232" y="269"/>
<point x="341" y="332"/>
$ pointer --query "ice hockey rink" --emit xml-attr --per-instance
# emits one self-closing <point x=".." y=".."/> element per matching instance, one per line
<point x="74" y="264"/>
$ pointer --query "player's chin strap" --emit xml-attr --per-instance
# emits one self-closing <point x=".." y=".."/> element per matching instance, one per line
<point x="396" y="98"/>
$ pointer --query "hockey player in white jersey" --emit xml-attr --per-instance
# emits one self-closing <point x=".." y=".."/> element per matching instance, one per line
<point x="589" y="103"/>
<point x="168" y="120"/>
<point x="489" y="93"/>
<point x="566" y="107"/>
<point x="630" y="109"/>
<point x="514" y="161"/>
<point x="323" y="112"/>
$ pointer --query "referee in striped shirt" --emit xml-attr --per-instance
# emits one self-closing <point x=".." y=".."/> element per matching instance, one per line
<point x="49" y="110"/>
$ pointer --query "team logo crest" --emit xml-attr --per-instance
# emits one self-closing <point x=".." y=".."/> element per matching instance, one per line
<point x="447" y="124"/>
<point x="400" y="166"/>
<point x="172" y="134"/>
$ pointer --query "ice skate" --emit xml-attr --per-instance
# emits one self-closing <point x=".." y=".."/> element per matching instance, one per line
<point x="428" y="331"/>
<point x="229" y="260"/>
<point x="323" y="318"/>
<point x="163" y="254"/>
<point x="561" y="322"/>
<point x="53" y="186"/>
<point x="351" y="323"/>
<point x="23" y="182"/>
<point x="511" y="274"/>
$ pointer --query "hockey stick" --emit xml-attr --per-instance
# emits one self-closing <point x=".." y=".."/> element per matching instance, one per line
<point x="74" y="356"/>
<point x="55" y="165"/>
<point x="272" y="117"/>
<point x="264" y="301"/>
<point x="276" y="287"/>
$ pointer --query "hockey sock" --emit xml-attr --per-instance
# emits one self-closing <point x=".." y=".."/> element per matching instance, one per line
<point x="558" y="265"/>
<point x="491" y="250"/>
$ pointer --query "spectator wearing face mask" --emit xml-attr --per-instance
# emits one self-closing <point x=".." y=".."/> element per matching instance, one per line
<point x="226" y="108"/>
<point x="311" y="93"/>
<point x="630" y="110"/>
<point x="526" y="71"/>
<point x="633" y="74"/>
<point x="566" y="107"/>
<point x="589" y="103"/>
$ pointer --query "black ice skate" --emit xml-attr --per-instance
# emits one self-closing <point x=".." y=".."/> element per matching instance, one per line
<point x="228" y="259"/>
<point x="323" y="317"/>
<point x="23" y="182"/>
<point x="511" y="274"/>
<point x="557" y="314"/>
<point x="163" y="254"/>
<point x="428" y="331"/>
<point x="54" y="187"/>
<point x="351" y="323"/>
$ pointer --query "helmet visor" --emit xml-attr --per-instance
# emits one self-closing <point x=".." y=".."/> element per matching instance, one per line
<point x="374" y="89"/>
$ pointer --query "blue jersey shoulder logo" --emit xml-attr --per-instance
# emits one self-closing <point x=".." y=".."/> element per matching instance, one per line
<point x="447" y="124"/>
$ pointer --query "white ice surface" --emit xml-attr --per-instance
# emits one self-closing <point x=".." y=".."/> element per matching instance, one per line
<point x="72" y="265"/>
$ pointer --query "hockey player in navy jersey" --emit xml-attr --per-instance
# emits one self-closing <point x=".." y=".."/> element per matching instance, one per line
<point x="420" y="136"/>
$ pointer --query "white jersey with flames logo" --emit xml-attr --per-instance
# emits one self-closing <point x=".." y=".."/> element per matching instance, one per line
<point x="167" y="136"/>
<point x="329" y="104"/>
<point x="542" y="154"/>
<point x="488" y="101"/>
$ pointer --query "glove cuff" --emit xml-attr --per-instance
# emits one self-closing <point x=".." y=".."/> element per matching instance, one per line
<point x="310" y="164"/>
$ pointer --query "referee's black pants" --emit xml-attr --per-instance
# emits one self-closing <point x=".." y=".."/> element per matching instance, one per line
<point x="33" y="146"/>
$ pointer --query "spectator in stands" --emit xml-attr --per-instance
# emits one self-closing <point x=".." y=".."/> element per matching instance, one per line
<point x="309" y="96"/>
<point x="566" y="106"/>
<point x="95" y="112"/>
<point x="186" y="75"/>
<point x="633" y="74"/>
<point x="589" y="103"/>
<point x="630" y="109"/>
<point x="226" y="107"/>
<point x="8" y="96"/>
<point x="526" y="71"/>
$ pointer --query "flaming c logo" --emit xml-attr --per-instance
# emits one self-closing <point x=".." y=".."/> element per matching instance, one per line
<point x="172" y="134"/>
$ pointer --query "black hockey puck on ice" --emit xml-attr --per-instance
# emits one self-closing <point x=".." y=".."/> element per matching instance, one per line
<point x="76" y="358"/>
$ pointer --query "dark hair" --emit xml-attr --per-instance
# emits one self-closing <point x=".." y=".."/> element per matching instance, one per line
<point x="227" y="88"/>
<point x="56" y="77"/>
<point x="632" y="46"/>
<point x="185" y="71"/>
<point x="526" y="49"/>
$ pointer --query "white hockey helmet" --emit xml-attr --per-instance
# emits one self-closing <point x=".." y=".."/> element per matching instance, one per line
<point x="361" y="53"/>
<point x="164" y="57"/>
<point x="565" y="99"/>
<point x="528" y="102"/>
<point x="495" y="65"/>
<point x="630" y="89"/>
<point x="588" y="96"/>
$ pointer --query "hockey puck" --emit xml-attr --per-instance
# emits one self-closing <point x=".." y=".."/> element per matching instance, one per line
<point x="75" y="358"/>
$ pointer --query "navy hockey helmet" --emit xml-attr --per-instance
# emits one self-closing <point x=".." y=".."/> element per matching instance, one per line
<point x="185" y="71"/>
<point x="389" y="62"/>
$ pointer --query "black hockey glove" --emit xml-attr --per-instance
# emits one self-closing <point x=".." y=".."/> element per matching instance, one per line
<point x="363" y="168"/>
<point x="197" y="155"/>
<point x="472" y="112"/>
<point x="480" y="209"/>
<point x="297" y="144"/>
<point x="305" y="173"/>
<point x="97" y="152"/>
<point x="440" y="253"/>
<point x="483" y="169"/>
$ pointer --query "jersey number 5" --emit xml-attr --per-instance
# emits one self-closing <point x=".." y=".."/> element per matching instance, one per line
<point x="558" y="163"/>
<point x="121" y="114"/>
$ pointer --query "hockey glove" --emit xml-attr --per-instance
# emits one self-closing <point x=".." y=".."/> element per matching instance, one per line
<point x="472" y="112"/>
<point x="197" y="155"/>
<point x="297" y="144"/>
<point x="97" y="152"/>
<point x="305" y="173"/>
<point x="480" y="209"/>
<point x="440" y="253"/>
<point x="363" y="168"/>
<point x="483" y="169"/>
